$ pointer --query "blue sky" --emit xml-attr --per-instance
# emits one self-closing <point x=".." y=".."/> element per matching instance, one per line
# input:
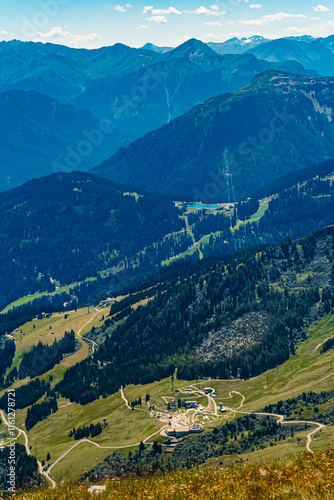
<point x="84" y="23"/>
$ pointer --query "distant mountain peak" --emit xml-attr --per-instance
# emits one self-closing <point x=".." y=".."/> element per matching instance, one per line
<point x="254" y="38"/>
<point x="237" y="45"/>
<point x="192" y="47"/>
<point x="155" y="48"/>
<point x="121" y="48"/>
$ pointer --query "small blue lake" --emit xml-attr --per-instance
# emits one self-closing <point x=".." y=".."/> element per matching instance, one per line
<point x="204" y="207"/>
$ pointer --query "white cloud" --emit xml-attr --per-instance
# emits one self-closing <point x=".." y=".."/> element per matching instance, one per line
<point x="178" y="41"/>
<point x="246" y="34"/>
<point x="160" y="12"/>
<point x="256" y="6"/>
<point x="122" y="8"/>
<point x="62" y="36"/>
<point x="320" y="8"/>
<point x="294" y="29"/>
<point x="142" y="27"/>
<point x="3" y="32"/>
<point x="212" y="11"/>
<point x="157" y="19"/>
<point x="211" y="37"/>
<point x="283" y="15"/>
<point x="271" y="18"/>
<point x="212" y="23"/>
<point x="317" y="30"/>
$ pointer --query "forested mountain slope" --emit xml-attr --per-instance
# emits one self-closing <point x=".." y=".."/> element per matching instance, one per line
<point x="67" y="227"/>
<point x="231" y="145"/>
<point x="290" y="285"/>
<point x="81" y="226"/>
<point x="40" y="135"/>
<point x="62" y="72"/>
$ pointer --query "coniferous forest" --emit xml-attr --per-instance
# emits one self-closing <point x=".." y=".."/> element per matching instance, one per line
<point x="166" y="333"/>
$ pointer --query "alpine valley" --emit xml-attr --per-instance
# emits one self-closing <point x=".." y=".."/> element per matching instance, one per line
<point x="167" y="269"/>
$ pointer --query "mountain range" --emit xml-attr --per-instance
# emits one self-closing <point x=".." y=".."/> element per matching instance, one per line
<point x="237" y="45"/>
<point x="312" y="53"/>
<point x="136" y="90"/>
<point x="232" y="46"/>
<point x="107" y="79"/>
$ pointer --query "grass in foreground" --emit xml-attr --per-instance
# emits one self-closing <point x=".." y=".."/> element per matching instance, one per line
<point x="308" y="477"/>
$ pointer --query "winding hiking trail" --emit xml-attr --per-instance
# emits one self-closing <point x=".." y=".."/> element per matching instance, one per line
<point x="239" y="394"/>
<point x="21" y="431"/>
<point x="124" y="399"/>
<point x="319" y="345"/>
<point x="46" y="473"/>
<point x="127" y="402"/>
<point x="282" y="421"/>
<point x="94" y="344"/>
<point x="85" y="440"/>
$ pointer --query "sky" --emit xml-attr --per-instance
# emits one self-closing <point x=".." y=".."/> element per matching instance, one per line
<point x="93" y="24"/>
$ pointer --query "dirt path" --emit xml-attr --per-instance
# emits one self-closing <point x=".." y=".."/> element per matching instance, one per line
<point x="65" y="405"/>
<point x="212" y="402"/>
<point x="127" y="402"/>
<point x="94" y="344"/>
<point x="21" y="431"/>
<point x="282" y="421"/>
<point x="239" y="394"/>
<point x="309" y="436"/>
<point x="319" y="345"/>
<point x="124" y="398"/>
<point x="145" y="441"/>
